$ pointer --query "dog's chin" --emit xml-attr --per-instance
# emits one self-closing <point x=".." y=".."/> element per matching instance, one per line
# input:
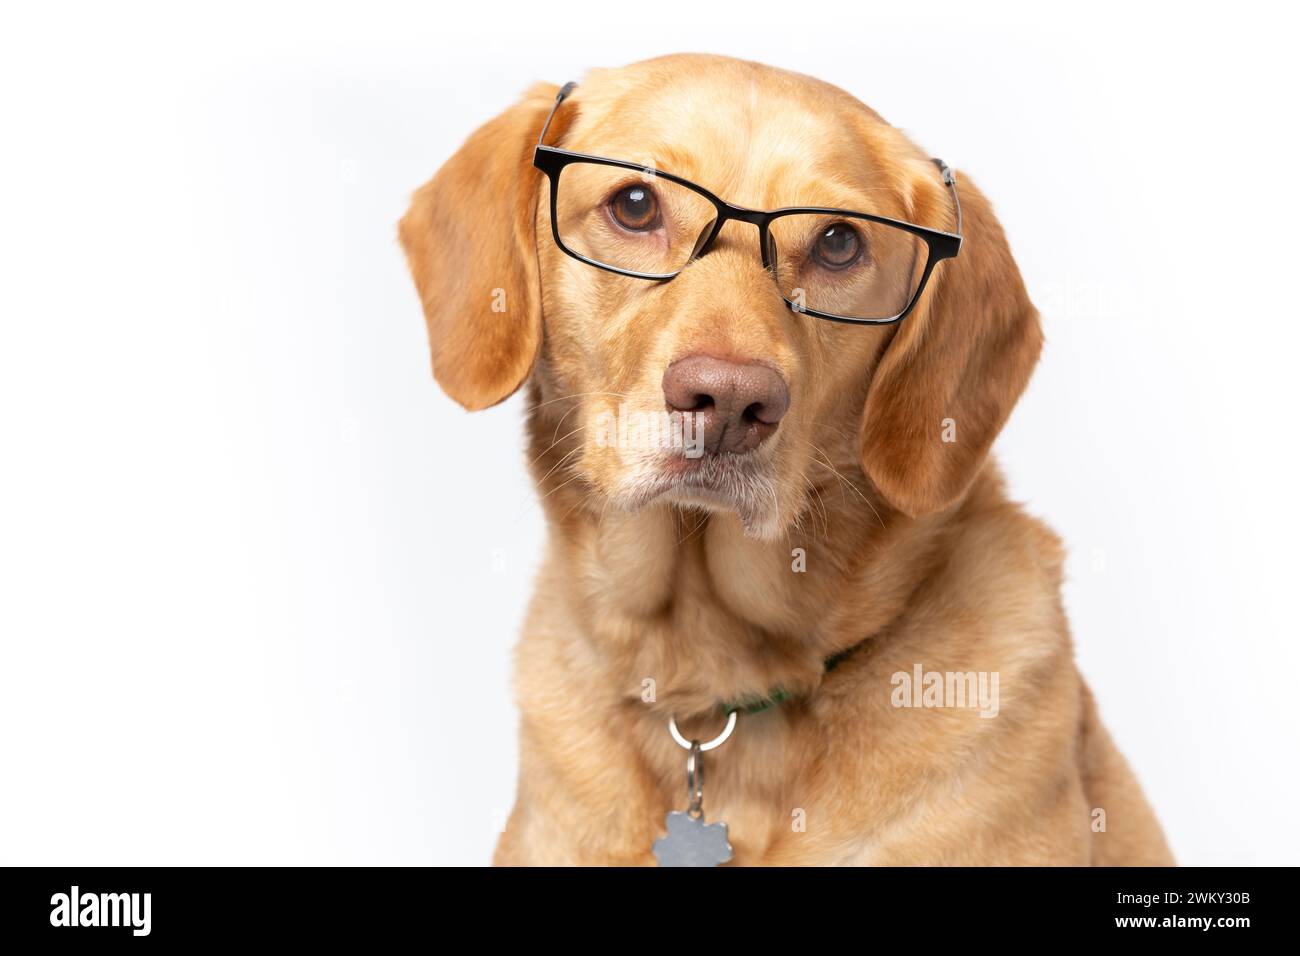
<point x="738" y="485"/>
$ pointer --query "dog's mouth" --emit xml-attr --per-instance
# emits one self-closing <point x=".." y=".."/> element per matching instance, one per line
<point x="741" y="484"/>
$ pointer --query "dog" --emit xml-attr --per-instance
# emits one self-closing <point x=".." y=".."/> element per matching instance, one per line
<point x="813" y="550"/>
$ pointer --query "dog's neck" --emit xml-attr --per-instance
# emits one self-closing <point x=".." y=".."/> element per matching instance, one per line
<point x="681" y="609"/>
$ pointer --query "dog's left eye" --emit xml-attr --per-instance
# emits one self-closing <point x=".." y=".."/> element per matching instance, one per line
<point x="635" y="208"/>
<point x="838" y="246"/>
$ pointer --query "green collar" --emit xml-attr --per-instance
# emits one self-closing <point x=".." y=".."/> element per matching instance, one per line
<point x="756" y="704"/>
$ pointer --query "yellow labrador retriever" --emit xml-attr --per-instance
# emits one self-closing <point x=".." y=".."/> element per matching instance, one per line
<point x="767" y="344"/>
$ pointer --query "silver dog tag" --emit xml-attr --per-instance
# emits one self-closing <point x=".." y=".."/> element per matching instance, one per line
<point x="691" y="841"/>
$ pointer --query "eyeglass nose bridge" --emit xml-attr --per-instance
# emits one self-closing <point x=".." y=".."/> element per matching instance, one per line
<point x="728" y="213"/>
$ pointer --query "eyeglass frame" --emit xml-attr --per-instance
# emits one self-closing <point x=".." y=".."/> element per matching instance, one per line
<point x="941" y="245"/>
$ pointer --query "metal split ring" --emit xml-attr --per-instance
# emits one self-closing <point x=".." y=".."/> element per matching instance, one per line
<point x="717" y="741"/>
<point x="695" y="782"/>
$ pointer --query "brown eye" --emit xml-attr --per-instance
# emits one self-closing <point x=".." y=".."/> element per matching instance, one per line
<point x="635" y="208"/>
<point x="838" y="247"/>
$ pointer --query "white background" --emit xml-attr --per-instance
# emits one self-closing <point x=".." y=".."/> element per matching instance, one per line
<point x="259" y="579"/>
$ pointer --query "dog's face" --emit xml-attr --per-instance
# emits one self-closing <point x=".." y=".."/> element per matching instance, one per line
<point x="709" y="390"/>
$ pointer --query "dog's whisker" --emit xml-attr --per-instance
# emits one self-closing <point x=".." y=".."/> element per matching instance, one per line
<point x="560" y="423"/>
<point x="820" y="504"/>
<point x="528" y="501"/>
<point x="701" y="520"/>
<point x="817" y="424"/>
<point x="824" y="460"/>
<point x="567" y="481"/>
<point x="556" y="442"/>
<point x="574" y="397"/>
<point x="567" y="455"/>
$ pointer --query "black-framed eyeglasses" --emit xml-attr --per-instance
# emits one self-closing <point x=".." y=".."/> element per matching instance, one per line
<point x="834" y="264"/>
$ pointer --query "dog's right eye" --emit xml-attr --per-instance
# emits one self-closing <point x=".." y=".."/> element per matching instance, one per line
<point x="635" y="208"/>
<point x="838" y="247"/>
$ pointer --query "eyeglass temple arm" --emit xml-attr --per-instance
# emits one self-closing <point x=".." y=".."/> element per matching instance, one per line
<point x="949" y="180"/>
<point x="560" y="97"/>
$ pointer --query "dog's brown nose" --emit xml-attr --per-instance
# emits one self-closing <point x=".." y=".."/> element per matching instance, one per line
<point x="736" y="406"/>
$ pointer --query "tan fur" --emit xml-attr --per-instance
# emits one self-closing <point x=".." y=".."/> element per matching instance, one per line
<point x="913" y="551"/>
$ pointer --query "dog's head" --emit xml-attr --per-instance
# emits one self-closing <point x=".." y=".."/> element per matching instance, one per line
<point x="708" y="389"/>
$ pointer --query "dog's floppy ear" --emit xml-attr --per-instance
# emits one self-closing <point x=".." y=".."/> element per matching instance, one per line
<point x="952" y="372"/>
<point x="470" y="242"/>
